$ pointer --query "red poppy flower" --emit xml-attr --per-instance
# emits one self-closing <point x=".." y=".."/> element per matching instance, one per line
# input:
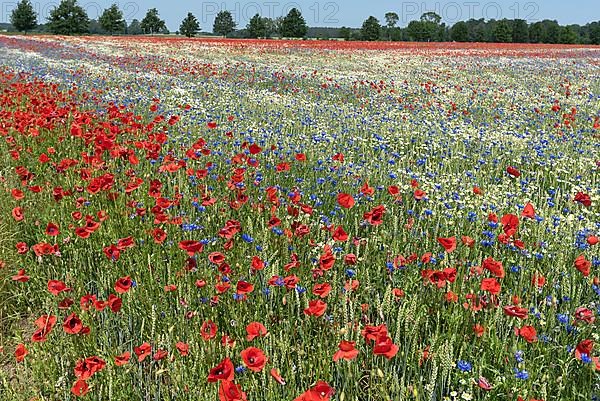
<point x="584" y="199"/>
<point x="316" y="308"/>
<point x="52" y="230"/>
<point x="375" y="216"/>
<point x="208" y="330"/>
<point x="322" y="290"/>
<point x="229" y="391"/>
<point x="528" y="333"/>
<point x="217" y="258"/>
<point x="20" y="352"/>
<point x="21" y="276"/>
<point x="493" y="266"/>
<point x="123" y="285"/>
<point x="142" y="351"/>
<point x="479" y="330"/>
<point x="350" y="259"/>
<point x="320" y="392"/>
<point x="490" y="284"/>
<point x="339" y="234"/>
<point x="212" y="125"/>
<point x="583" y="314"/>
<point x="371" y="333"/>
<point x="254" y="358"/>
<point x="468" y="241"/>
<point x="56" y="287"/>
<point x="159" y="235"/>
<point x="22" y="248"/>
<point x="516" y="311"/>
<point x="301" y="157"/>
<point x="449" y="244"/>
<point x="86" y="368"/>
<point x="345" y="200"/>
<point x="513" y="172"/>
<point x="223" y="371"/>
<point x="255" y="330"/>
<point x="17" y="214"/>
<point x="346" y="351"/>
<point x="584" y="347"/>
<point x="244" y="287"/>
<point x="528" y="211"/>
<point x="183" y="348"/>
<point x="384" y="346"/>
<point x="72" y="324"/>
<point x="254" y="149"/>
<point x="592" y="240"/>
<point x="160" y="354"/>
<point x="191" y="247"/>
<point x="80" y="388"/>
<point x="45" y="324"/>
<point x="257" y="263"/>
<point x="419" y="195"/>
<point x="583" y="265"/>
<point x="510" y="223"/>
<point x="277" y="377"/>
<point x="114" y="303"/>
<point x="122" y="359"/>
<point x="366" y="190"/>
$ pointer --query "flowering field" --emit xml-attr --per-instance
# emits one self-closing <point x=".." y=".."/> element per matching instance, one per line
<point x="271" y="220"/>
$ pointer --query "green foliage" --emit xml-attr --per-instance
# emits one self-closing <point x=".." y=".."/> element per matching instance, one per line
<point x="112" y="20"/>
<point x="345" y="33"/>
<point x="371" y="30"/>
<point x="460" y="32"/>
<point x="257" y="27"/>
<point x="503" y="32"/>
<point x="520" y="31"/>
<point x="134" y="28"/>
<point x="293" y="25"/>
<point x="391" y="19"/>
<point x="23" y="17"/>
<point x="152" y="23"/>
<point x="68" y="18"/>
<point x="189" y="26"/>
<point x="224" y="23"/>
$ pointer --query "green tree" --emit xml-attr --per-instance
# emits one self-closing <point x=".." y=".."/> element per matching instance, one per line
<point x="134" y="28"/>
<point x="189" y="26"/>
<point x="112" y="20"/>
<point x="460" y="32"/>
<point x="536" y="32"/>
<point x="431" y="17"/>
<point x="371" y="29"/>
<point x="345" y="33"/>
<point x="152" y="23"/>
<point x="391" y="19"/>
<point x="68" y="18"/>
<point x="224" y="23"/>
<point x="503" y="32"/>
<point x="23" y="17"/>
<point x="293" y="25"/>
<point x="594" y="34"/>
<point x="257" y="27"/>
<point x="427" y="29"/>
<point x="551" y="32"/>
<point x="520" y="31"/>
<point x="568" y="35"/>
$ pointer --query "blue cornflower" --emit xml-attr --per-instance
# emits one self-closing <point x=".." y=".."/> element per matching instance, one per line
<point x="464" y="366"/>
<point x="519" y="357"/>
<point x="521" y="374"/>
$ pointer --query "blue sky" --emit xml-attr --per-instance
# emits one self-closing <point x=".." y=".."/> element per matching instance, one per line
<point x="337" y="12"/>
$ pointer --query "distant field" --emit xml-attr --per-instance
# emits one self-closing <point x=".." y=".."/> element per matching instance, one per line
<point x="202" y="219"/>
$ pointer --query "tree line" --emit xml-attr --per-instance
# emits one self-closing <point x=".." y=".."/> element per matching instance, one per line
<point x="68" y="18"/>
